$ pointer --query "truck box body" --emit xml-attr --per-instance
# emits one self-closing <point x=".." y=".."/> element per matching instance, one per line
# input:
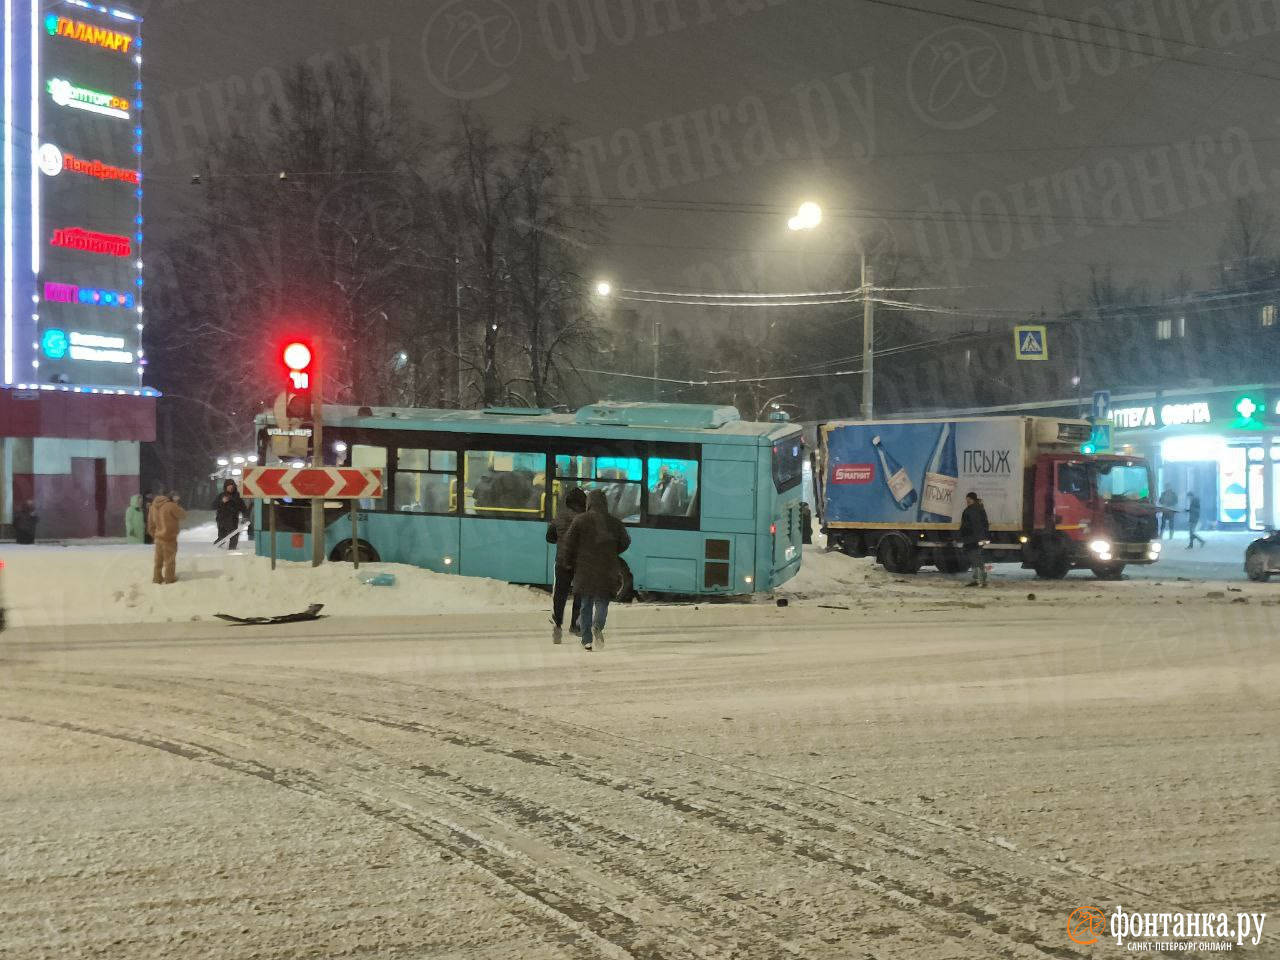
<point x="895" y="490"/>
<point x="868" y="467"/>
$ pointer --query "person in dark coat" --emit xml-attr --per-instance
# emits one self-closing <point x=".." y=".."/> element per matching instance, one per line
<point x="1193" y="520"/>
<point x="974" y="534"/>
<point x="575" y="502"/>
<point x="24" y="523"/>
<point x="593" y="548"/>
<point x="1168" y="507"/>
<point x="228" y="508"/>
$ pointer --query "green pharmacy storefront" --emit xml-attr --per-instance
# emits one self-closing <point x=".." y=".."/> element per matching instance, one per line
<point x="1220" y="443"/>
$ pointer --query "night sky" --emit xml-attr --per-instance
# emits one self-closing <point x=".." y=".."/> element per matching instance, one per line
<point x="1008" y="161"/>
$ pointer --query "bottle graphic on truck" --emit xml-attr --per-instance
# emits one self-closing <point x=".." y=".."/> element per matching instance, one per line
<point x="896" y="478"/>
<point x="941" y="477"/>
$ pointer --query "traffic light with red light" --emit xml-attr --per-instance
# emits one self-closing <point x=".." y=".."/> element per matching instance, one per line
<point x="298" y="359"/>
<point x="294" y="406"/>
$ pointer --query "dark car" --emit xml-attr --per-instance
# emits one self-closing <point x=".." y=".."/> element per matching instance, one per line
<point x="1262" y="558"/>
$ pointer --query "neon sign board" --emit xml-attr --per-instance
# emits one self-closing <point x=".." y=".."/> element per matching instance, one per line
<point x="67" y="94"/>
<point x="90" y="241"/>
<point x="1170" y="415"/>
<point x="54" y="344"/>
<point x="89" y="296"/>
<point x="52" y="161"/>
<point x="69" y="70"/>
<point x="87" y="33"/>
<point x="93" y="347"/>
<point x="98" y="349"/>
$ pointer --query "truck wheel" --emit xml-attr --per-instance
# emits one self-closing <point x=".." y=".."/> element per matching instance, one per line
<point x="951" y="560"/>
<point x="1108" y="571"/>
<point x="1255" y="567"/>
<point x="852" y="545"/>
<point x="897" y="554"/>
<point x="1052" y="560"/>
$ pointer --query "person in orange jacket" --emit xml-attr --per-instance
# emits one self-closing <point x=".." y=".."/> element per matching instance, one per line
<point x="164" y="520"/>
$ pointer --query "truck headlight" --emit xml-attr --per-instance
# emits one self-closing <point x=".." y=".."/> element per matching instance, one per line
<point x="1155" y="546"/>
<point x="1100" y="547"/>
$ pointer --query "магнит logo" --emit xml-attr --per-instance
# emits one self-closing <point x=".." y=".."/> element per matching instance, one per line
<point x="853" y="473"/>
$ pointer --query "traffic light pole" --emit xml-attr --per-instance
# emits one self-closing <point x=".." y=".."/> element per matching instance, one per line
<point x="317" y="460"/>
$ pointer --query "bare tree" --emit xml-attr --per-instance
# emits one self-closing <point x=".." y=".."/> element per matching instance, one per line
<point x="483" y="192"/>
<point x="316" y="227"/>
<point x="520" y="234"/>
<point x="547" y="230"/>
<point x="1247" y="252"/>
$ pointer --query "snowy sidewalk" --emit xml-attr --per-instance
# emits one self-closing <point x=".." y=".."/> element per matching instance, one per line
<point x="111" y="583"/>
<point x="103" y="582"/>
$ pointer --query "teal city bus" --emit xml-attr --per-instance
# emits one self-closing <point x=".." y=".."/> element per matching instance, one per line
<point x="712" y="502"/>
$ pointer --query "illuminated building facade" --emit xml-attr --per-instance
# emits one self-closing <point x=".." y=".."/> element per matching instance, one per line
<point x="73" y="408"/>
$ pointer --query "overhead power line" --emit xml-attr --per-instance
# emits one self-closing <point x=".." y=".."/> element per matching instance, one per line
<point x="1126" y="31"/>
<point x="1082" y="41"/>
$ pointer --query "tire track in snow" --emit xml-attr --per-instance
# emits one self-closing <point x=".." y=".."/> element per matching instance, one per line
<point x="950" y="916"/>
<point x="603" y="932"/>
<point x="661" y="882"/>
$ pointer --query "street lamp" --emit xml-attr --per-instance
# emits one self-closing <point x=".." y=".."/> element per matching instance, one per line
<point x="807" y="217"/>
<point x="605" y="289"/>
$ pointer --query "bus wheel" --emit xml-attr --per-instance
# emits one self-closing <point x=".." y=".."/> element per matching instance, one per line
<point x="897" y="554"/>
<point x="344" y="553"/>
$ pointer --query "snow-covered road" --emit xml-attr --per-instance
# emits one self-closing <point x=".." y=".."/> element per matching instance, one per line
<point x="881" y="769"/>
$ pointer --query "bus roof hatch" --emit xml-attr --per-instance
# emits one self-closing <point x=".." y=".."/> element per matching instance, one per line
<point x="688" y="416"/>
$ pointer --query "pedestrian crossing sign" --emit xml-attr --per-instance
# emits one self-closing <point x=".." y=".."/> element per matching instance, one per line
<point x="1030" y="342"/>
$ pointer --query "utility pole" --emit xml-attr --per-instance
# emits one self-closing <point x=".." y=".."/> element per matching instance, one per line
<point x="317" y="460"/>
<point x="868" y="342"/>
<point x="457" y="319"/>
<point x="657" y="349"/>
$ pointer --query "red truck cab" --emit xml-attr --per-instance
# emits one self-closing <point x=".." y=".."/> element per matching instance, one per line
<point x="1091" y="511"/>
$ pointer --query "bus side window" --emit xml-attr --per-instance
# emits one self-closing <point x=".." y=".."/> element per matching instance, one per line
<point x="506" y="485"/>
<point x="422" y="484"/>
<point x="673" y="486"/>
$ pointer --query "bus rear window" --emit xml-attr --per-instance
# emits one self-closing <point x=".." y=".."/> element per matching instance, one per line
<point x="788" y="463"/>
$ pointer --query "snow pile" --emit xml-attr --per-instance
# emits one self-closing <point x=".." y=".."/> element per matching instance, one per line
<point x="57" y="585"/>
<point x="1213" y="573"/>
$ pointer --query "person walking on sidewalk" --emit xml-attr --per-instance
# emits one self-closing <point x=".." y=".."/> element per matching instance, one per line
<point x="135" y="522"/>
<point x="575" y="503"/>
<point x="24" y="523"/>
<point x="974" y="534"/>
<point x="163" y="523"/>
<point x="1168" y="507"/>
<point x="1193" y="521"/>
<point x="228" y="508"/>
<point x="594" y="548"/>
